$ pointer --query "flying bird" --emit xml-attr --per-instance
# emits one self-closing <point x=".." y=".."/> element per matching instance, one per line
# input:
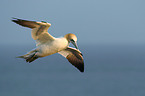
<point x="47" y="45"/>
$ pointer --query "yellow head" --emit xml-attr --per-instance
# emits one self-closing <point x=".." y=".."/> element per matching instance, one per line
<point x="72" y="38"/>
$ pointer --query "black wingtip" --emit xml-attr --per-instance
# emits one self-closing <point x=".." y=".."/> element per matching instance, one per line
<point x="15" y="20"/>
<point x="81" y="68"/>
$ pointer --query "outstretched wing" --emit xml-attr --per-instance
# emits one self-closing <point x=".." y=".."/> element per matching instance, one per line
<point x="74" y="56"/>
<point x="39" y="29"/>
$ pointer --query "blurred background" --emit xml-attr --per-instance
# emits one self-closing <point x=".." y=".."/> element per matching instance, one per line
<point x="110" y="36"/>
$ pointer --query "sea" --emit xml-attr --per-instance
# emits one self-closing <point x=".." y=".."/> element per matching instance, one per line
<point x="110" y="70"/>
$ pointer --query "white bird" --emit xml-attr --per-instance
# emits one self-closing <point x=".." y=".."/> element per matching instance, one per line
<point x="46" y="44"/>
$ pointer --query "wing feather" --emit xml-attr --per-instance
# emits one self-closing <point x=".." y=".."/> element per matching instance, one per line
<point x="25" y="23"/>
<point x="39" y="29"/>
<point x="74" y="56"/>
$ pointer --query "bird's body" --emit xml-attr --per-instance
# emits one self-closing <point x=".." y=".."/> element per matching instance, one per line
<point x="46" y="44"/>
<point x="53" y="47"/>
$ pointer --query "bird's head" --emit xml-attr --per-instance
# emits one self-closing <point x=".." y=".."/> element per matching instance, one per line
<point x="72" y="38"/>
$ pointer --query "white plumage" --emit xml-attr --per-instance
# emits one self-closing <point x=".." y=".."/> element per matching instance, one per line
<point x="46" y="44"/>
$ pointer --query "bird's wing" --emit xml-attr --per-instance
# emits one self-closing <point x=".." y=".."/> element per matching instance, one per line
<point x="74" y="56"/>
<point x="39" y="29"/>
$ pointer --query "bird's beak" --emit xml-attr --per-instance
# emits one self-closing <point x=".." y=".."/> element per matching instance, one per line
<point x="75" y="44"/>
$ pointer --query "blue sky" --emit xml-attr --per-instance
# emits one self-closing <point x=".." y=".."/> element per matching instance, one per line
<point x="93" y="21"/>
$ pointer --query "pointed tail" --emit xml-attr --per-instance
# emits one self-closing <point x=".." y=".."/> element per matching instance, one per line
<point x="31" y="56"/>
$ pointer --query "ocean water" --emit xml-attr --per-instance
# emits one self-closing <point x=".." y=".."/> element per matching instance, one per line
<point x="110" y="70"/>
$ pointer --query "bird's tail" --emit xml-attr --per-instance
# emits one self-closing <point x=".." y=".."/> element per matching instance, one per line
<point x="31" y="56"/>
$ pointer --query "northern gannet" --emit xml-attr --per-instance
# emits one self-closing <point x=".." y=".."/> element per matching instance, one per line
<point x="46" y="44"/>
